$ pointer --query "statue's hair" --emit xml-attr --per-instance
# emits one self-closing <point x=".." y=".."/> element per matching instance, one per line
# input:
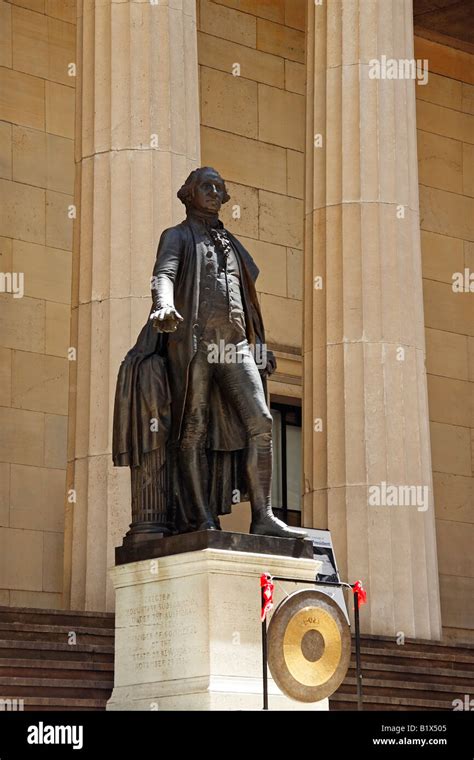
<point x="186" y="192"/>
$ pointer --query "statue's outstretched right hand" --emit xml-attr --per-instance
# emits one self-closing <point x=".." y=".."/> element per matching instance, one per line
<point x="166" y="319"/>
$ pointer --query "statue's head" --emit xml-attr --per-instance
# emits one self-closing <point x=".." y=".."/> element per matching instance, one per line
<point x="204" y="190"/>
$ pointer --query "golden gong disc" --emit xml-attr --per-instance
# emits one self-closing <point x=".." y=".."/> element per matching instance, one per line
<point x="309" y="646"/>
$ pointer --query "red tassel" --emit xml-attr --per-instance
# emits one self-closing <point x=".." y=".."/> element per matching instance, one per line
<point x="267" y="594"/>
<point x="360" y="590"/>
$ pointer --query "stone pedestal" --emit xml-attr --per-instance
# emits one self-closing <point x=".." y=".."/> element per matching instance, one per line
<point x="188" y="631"/>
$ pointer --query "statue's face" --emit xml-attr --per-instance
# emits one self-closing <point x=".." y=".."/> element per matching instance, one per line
<point x="209" y="193"/>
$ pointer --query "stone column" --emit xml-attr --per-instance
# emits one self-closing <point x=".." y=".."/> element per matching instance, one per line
<point x="364" y="346"/>
<point x="137" y="138"/>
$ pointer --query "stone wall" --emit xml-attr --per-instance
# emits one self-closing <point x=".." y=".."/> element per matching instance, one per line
<point x="36" y="186"/>
<point x="445" y="121"/>
<point x="253" y="131"/>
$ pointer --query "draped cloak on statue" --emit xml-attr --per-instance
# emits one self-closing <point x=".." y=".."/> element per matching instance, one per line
<point x="153" y="379"/>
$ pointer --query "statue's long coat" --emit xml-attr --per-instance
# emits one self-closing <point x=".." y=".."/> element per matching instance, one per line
<point x="153" y="378"/>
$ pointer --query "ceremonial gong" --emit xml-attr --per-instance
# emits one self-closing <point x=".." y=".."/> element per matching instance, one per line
<point x="309" y="646"/>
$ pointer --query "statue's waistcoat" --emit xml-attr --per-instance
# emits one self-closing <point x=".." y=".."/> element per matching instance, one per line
<point x="220" y="296"/>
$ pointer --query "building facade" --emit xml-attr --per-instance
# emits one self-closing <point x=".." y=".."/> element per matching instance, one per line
<point x="352" y="188"/>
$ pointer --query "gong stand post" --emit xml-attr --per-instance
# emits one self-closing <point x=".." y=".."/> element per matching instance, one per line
<point x="356" y="631"/>
<point x="264" y="654"/>
<point x="265" y="665"/>
<point x="358" y="662"/>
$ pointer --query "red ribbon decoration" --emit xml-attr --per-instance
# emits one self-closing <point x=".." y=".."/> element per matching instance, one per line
<point x="360" y="590"/>
<point x="267" y="587"/>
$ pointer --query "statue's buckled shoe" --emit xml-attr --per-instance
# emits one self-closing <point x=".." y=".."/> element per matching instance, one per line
<point x="269" y="525"/>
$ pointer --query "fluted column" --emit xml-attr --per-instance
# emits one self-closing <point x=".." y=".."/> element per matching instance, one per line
<point x="365" y="396"/>
<point x="137" y="138"/>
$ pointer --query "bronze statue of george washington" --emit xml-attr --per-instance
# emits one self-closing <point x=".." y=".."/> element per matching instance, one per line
<point x="191" y="418"/>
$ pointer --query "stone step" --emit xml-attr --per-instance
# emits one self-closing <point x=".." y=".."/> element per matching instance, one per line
<point x="41" y="667"/>
<point x="435" y="674"/>
<point x="79" y="670"/>
<point x="418" y="675"/>
<point x="390" y="702"/>
<point x="13" y="649"/>
<point x="61" y="704"/>
<point x="380" y="686"/>
<point x="434" y="653"/>
<point x="349" y="702"/>
<point x="60" y="633"/>
<point x="52" y="687"/>
<point x="417" y="645"/>
<point x="75" y="666"/>
<point x="461" y="661"/>
<point x="103" y="620"/>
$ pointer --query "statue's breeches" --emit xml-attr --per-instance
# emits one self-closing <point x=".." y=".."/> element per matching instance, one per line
<point x="241" y="387"/>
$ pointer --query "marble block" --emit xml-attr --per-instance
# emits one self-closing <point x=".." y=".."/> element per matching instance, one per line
<point x="188" y="631"/>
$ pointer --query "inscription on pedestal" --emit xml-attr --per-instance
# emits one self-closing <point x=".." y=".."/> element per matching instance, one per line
<point x="160" y="607"/>
<point x="162" y="638"/>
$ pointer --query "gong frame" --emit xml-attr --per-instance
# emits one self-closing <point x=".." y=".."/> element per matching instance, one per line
<point x="334" y="584"/>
